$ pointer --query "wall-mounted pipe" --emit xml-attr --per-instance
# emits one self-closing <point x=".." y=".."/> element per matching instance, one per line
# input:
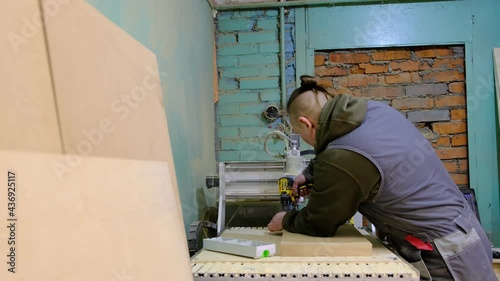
<point x="282" y="59"/>
<point x="275" y="5"/>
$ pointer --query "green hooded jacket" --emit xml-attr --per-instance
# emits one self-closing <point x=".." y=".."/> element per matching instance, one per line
<point x="342" y="179"/>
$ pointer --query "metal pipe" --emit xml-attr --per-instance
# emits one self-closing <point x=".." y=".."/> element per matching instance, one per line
<point x="271" y="5"/>
<point x="282" y="58"/>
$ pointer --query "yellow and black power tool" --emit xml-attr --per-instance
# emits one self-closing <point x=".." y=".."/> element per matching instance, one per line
<point x="294" y="164"/>
<point x="289" y="200"/>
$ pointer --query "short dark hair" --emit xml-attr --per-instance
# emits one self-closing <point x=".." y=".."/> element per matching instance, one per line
<point x="307" y="83"/>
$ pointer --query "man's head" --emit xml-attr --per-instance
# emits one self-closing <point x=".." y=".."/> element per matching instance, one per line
<point x="304" y="107"/>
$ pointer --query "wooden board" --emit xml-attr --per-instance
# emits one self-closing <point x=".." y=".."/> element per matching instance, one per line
<point x="346" y="242"/>
<point x="110" y="219"/>
<point x="102" y="73"/>
<point x="29" y="118"/>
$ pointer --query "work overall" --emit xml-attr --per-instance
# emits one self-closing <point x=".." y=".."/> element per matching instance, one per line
<point x="426" y="216"/>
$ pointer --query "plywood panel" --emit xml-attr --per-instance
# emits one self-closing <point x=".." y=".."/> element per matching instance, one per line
<point x="110" y="219"/>
<point x="107" y="87"/>
<point x="346" y="242"/>
<point x="29" y="119"/>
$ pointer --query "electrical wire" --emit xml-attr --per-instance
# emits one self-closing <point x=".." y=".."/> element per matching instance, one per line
<point x="280" y="134"/>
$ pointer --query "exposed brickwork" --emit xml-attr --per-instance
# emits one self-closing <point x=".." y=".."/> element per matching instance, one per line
<point x="427" y="84"/>
<point x="248" y="71"/>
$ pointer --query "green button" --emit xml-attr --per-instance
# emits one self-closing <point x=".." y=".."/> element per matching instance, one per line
<point x="265" y="254"/>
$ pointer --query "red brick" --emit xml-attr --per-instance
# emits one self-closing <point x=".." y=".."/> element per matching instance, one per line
<point x="451" y="167"/>
<point x="434" y="53"/>
<point x="330" y="71"/>
<point x="458" y="114"/>
<point x="391" y="55"/>
<point x="452" y="153"/>
<point x="443" y="76"/>
<point x="325" y="82"/>
<point x="446" y="101"/>
<point x="457" y="87"/>
<point x="442" y="142"/>
<point x="448" y="128"/>
<point x="356" y="70"/>
<point x="410" y="65"/>
<point x="374" y="68"/>
<point x="382" y="92"/>
<point x="448" y="63"/>
<point x="395" y="65"/>
<point x="357" y="81"/>
<point x="403" y="78"/>
<point x="412" y="103"/>
<point x="319" y="60"/>
<point x="357" y="92"/>
<point x="426" y="89"/>
<point x="459" y="140"/>
<point x="463" y="165"/>
<point x="424" y="65"/>
<point x="349" y="58"/>
<point x="460" y="179"/>
<point x="341" y="91"/>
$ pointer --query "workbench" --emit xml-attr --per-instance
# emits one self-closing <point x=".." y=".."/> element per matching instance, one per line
<point x="382" y="265"/>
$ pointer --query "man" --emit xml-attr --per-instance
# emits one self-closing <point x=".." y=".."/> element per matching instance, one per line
<point x="371" y="159"/>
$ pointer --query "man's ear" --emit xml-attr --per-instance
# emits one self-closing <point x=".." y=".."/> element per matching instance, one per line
<point x="306" y="122"/>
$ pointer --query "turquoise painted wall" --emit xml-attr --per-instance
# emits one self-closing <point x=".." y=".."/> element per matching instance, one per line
<point x="473" y="23"/>
<point x="249" y="81"/>
<point x="180" y="33"/>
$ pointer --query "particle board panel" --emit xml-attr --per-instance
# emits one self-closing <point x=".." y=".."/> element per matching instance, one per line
<point x="104" y="74"/>
<point x="110" y="219"/>
<point x="346" y="242"/>
<point x="29" y="118"/>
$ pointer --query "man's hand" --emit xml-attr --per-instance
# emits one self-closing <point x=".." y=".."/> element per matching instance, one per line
<point x="298" y="181"/>
<point x="276" y="223"/>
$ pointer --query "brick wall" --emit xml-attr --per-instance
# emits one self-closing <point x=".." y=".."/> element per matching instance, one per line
<point x="426" y="84"/>
<point x="248" y="70"/>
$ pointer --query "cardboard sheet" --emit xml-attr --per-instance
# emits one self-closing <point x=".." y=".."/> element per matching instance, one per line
<point x="104" y="74"/>
<point x="29" y="118"/>
<point x="110" y="219"/>
<point x="346" y="242"/>
<point x="89" y="189"/>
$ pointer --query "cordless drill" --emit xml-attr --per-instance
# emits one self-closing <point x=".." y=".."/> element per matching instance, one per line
<point x="294" y="164"/>
<point x="289" y="200"/>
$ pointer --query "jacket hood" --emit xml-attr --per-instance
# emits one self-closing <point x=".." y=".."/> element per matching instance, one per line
<point x="338" y="117"/>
